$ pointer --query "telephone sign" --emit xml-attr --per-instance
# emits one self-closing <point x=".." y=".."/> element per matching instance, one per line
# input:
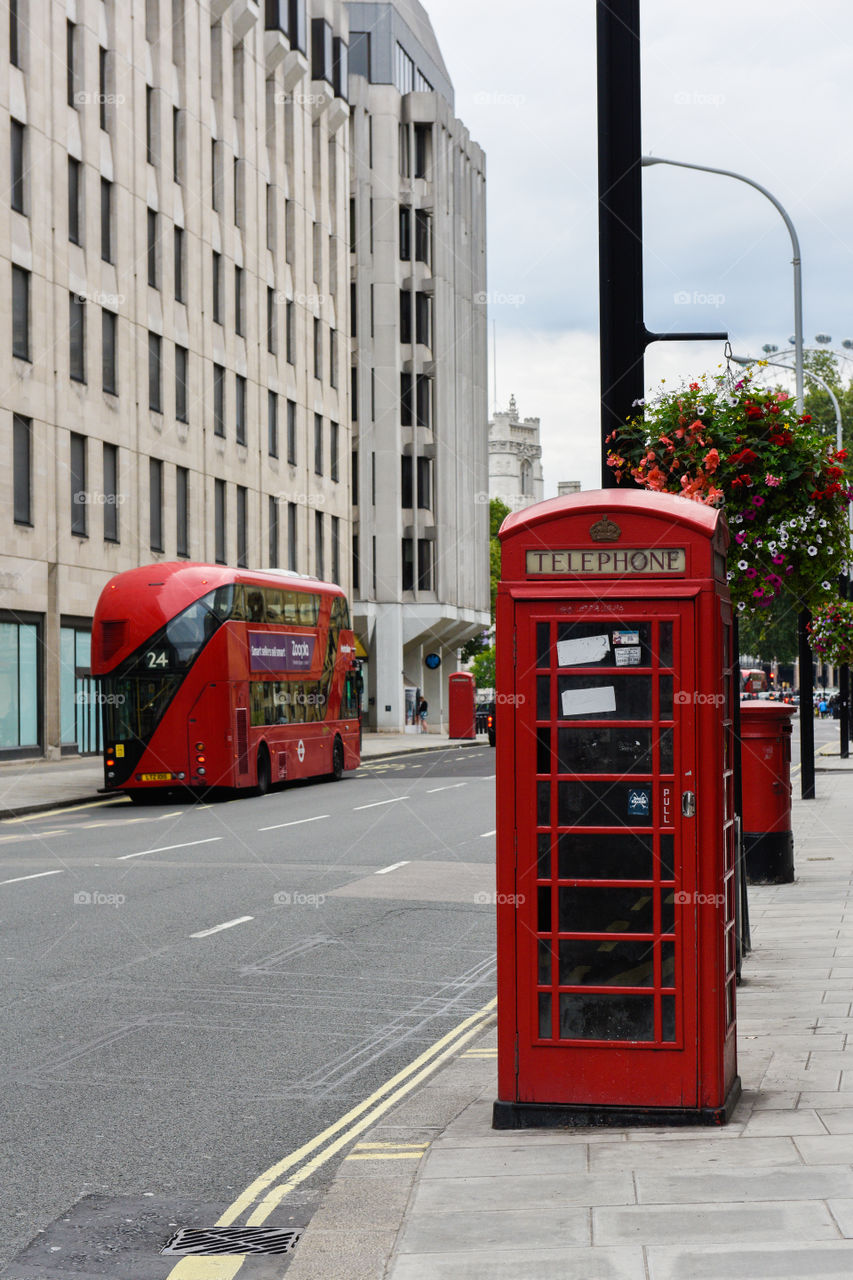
<point x="616" y="852"/>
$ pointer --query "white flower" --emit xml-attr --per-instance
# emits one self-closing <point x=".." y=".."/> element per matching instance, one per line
<point x="729" y="576"/>
<point x="758" y="542"/>
<point x="822" y="524"/>
<point x="812" y="551"/>
<point x="742" y="564"/>
<point x="741" y="606"/>
<point x="827" y="586"/>
<point x="771" y="547"/>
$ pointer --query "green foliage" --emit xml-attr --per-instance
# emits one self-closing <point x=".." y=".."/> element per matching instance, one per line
<point x="483" y="669"/>
<point x="770" y="634"/>
<point x="498" y="512"/>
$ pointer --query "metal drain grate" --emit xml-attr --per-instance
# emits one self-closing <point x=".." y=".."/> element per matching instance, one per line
<point x="216" y="1240"/>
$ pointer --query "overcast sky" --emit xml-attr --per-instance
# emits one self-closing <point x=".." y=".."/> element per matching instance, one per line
<point x="763" y="87"/>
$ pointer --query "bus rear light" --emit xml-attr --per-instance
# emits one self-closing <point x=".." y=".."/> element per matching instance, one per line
<point x="181" y="776"/>
<point x="199" y="746"/>
<point x="202" y="770"/>
<point x="200" y="759"/>
<point x="110" y="763"/>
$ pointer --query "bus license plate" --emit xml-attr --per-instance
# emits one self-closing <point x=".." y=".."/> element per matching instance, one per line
<point x="155" y="777"/>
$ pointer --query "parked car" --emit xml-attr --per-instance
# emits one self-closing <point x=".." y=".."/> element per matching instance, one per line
<point x="490" y="723"/>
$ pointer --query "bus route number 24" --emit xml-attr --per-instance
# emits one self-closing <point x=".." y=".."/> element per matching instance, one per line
<point x="156" y="658"/>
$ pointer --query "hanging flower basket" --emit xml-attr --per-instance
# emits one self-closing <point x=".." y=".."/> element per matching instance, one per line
<point x="781" y="481"/>
<point x="831" y="632"/>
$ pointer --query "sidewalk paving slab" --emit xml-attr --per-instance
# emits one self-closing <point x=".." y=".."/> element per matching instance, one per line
<point x="767" y="1197"/>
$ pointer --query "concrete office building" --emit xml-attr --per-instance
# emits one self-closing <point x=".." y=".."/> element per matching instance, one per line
<point x="515" y="459"/>
<point x="419" y="376"/>
<point x="174" y="347"/>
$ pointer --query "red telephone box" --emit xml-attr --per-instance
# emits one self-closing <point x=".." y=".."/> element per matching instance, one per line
<point x="460" y="687"/>
<point x="615" y="821"/>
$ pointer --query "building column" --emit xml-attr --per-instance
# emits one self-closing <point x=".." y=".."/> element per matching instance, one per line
<point x="385" y="658"/>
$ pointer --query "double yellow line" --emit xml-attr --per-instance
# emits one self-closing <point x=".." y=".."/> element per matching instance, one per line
<point x="268" y="1190"/>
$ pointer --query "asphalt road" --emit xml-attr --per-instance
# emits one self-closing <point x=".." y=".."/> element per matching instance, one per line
<point x="192" y="992"/>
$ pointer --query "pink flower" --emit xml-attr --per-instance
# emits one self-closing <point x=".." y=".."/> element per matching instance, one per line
<point x="757" y="500"/>
<point x="774" y="580"/>
<point x="758" y="593"/>
<point x="773" y="481"/>
<point x="779" y="558"/>
<point x="740" y="538"/>
<point x="752" y="573"/>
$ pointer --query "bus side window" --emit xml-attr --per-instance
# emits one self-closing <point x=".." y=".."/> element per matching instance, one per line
<point x="275" y="605"/>
<point x="239" y="607"/>
<point x="256" y="606"/>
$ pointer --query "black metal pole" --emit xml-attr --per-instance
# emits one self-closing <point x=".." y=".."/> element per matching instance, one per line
<point x="806" y="709"/>
<point x="620" y="217"/>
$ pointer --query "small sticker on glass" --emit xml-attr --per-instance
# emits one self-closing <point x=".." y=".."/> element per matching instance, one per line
<point x="582" y="652"/>
<point x="626" y="637"/>
<point x="588" y="702"/>
<point x="639" y="804"/>
<point x="628" y="657"/>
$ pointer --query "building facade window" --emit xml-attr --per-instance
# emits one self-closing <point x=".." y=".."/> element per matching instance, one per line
<point x="182" y="512"/>
<point x="150" y="124"/>
<point x="333" y="358"/>
<point x="272" y="509"/>
<point x="356" y="565"/>
<point x="289" y="334"/>
<point x="334" y="450"/>
<point x="271" y="334"/>
<point x="18" y="192"/>
<point x="405" y="232"/>
<point x="239" y="307"/>
<point x="76" y="337"/>
<point x="219" y="514"/>
<point x="318" y="444"/>
<point x="14" y="34"/>
<point x="354" y="393"/>
<point x="408" y="576"/>
<point x="180" y="284"/>
<point x="155" y="504"/>
<point x="423" y="236"/>
<point x="153" y="275"/>
<point x="22" y="468"/>
<point x="292" y="550"/>
<point x="155" y="373"/>
<point x="106" y="220"/>
<point x="424" y="484"/>
<point x="424" y="400"/>
<point x="70" y="63"/>
<point x="77" y="476"/>
<point x="182" y="358"/>
<point x="405" y="399"/>
<point x="218" y="400"/>
<point x="102" y="88"/>
<point x="217" y="287"/>
<point x="424" y="564"/>
<point x="20" y="684"/>
<point x="242" y="526"/>
<point x="336" y="549"/>
<point x="177" y="146"/>
<point x="318" y="350"/>
<point x="109" y="361"/>
<point x="354" y="478"/>
<point x="319" y="550"/>
<point x="406" y="485"/>
<point x="111" y="494"/>
<point x="240" y="408"/>
<point x="272" y="424"/>
<point x="20" y="313"/>
<point x="73" y="200"/>
<point x="291" y="432"/>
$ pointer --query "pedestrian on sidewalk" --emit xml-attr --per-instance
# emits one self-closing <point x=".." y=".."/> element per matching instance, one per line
<point x="423" y="708"/>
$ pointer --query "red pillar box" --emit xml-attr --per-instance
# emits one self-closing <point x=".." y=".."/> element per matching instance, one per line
<point x="460" y="687"/>
<point x="616" y="834"/>
<point x="768" y="842"/>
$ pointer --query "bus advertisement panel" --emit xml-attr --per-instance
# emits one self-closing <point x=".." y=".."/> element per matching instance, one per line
<point x="218" y="677"/>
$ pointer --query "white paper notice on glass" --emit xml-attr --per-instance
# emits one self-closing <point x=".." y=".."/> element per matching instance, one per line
<point x="629" y="657"/>
<point x="580" y="653"/>
<point x="588" y="702"/>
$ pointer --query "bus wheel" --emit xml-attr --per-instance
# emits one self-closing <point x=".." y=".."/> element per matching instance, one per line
<point x="264" y="772"/>
<point x="338" y="760"/>
<point x="143" y="797"/>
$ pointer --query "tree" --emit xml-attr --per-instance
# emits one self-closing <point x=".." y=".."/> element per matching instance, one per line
<point x="483" y="669"/>
<point x="498" y="511"/>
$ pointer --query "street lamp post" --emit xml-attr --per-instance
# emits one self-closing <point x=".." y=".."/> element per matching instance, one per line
<point x="795" y="244"/>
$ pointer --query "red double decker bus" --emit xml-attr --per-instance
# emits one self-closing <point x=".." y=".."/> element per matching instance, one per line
<point x="218" y="677"/>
